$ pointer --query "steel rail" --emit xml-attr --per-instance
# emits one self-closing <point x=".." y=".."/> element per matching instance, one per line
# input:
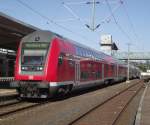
<point x="103" y="103"/>
<point x="16" y="108"/>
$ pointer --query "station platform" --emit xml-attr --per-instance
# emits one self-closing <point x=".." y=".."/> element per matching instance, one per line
<point x="5" y="82"/>
<point x="143" y="113"/>
<point x="7" y="92"/>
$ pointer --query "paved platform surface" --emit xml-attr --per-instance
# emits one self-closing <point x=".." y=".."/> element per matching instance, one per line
<point x="143" y="114"/>
<point x="5" y="92"/>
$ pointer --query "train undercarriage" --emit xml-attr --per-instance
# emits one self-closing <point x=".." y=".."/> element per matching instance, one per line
<point x="29" y="89"/>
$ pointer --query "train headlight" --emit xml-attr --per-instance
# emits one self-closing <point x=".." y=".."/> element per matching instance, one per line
<point x="41" y="68"/>
<point x="23" y="68"/>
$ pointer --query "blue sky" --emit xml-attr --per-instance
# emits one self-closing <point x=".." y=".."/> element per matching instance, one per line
<point x="133" y="17"/>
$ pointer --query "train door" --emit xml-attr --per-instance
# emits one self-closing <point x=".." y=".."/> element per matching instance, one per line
<point x="117" y="71"/>
<point x="77" y="72"/>
<point x="102" y="70"/>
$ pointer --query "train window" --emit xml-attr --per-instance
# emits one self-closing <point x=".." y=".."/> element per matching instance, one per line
<point x="34" y="53"/>
<point x="60" y="58"/>
<point x="71" y="61"/>
<point x="84" y="52"/>
<point x="97" y="56"/>
<point x="80" y="51"/>
<point x="113" y="69"/>
<point x="87" y="55"/>
<point x="77" y="50"/>
<point x="98" y="74"/>
<point x="106" y="68"/>
<point x="92" y="55"/>
<point x="89" y="65"/>
<point x="84" y="75"/>
<point x="1" y="61"/>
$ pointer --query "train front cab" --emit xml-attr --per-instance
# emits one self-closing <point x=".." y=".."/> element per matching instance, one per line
<point x="32" y="70"/>
<point x="44" y="72"/>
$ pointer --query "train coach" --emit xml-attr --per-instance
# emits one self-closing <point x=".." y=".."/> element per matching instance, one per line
<point x="49" y="64"/>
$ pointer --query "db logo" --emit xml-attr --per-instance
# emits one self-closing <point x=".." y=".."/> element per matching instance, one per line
<point x="31" y="77"/>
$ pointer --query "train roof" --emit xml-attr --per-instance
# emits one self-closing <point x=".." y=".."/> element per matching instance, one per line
<point x="48" y="35"/>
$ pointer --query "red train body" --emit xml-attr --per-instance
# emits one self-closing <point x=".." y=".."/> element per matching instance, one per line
<point x="49" y="64"/>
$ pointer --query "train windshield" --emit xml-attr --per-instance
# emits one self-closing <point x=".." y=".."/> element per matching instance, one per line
<point x="34" y="53"/>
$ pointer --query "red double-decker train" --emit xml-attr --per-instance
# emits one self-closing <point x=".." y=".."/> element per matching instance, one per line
<point x="49" y="64"/>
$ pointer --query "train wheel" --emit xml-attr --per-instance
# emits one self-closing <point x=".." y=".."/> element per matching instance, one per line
<point x="106" y="82"/>
<point x="64" y="90"/>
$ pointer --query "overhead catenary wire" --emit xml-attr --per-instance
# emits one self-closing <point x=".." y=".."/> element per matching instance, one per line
<point x="83" y="22"/>
<point x="106" y="19"/>
<point x="129" y="20"/>
<point x="73" y="13"/>
<point x="128" y="17"/>
<point x="67" y="29"/>
<point x="82" y="3"/>
<point x="110" y="15"/>
<point x="76" y="3"/>
<point x="116" y="22"/>
<point x="51" y="21"/>
<point x="65" y="20"/>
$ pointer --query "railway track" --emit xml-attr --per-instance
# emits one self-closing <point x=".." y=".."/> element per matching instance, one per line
<point x="4" y="104"/>
<point x="76" y="110"/>
<point x="110" y="110"/>
<point x="17" y="106"/>
<point x="8" y="100"/>
<point x="4" y="98"/>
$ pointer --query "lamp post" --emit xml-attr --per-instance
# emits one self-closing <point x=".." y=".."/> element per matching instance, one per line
<point x="128" y="72"/>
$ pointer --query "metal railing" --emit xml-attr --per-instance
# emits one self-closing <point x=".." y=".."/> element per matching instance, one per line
<point x="132" y="55"/>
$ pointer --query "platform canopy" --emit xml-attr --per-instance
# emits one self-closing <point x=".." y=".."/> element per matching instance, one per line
<point x="12" y="30"/>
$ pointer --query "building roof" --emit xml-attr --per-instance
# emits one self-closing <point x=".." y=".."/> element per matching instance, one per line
<point x="12" y="30"/>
